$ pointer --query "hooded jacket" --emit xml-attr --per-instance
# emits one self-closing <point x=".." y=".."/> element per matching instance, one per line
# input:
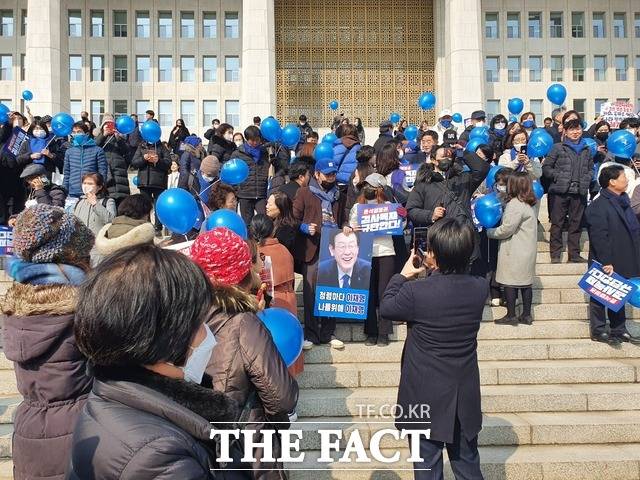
<point x="81" y="159"/>
<point x="117" y="152"/>
<point x="345" y="150"/>
<point x="131" y="232"/>
<point x="51" y="376"/>
<point x="220" y="147"/>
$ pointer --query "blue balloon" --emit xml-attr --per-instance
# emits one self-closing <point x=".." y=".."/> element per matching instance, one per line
<point x="622" y="143"/>
<point x="4" y="118"/>
<point x="234" y="171"/>
<point x="62" y="124"/>
<point x="490" y="180"/>
<point x="135" y="180"/>
<point x="177" y="210"/>
<point x="513" y="119"/>
<point x="411" y="133"/>
<point x="286" y="332"/>
<point x="394" y="117"/>
<point x="539" y="144"/>
<point x="427" y="101"/>
<point x="227" y="219"/>
<point x="592" y="144"/>
<point x="457" y="117"/>
<point x="27" y="95"/>
<point x="538" y="189"/>
<point x="290" y="135"/>
<point x="151" y="131"/>
<point x="330" y="138"/>
<point x="271" y="129"/>
<point x="323" y="150"/>
<point x="634" y="300"/>
<point x="515" y="105"/>
<point x="125" y="124"/>
<point x="4" y="108"/>
<point x="334" y="104"/>
<point x="557" y="94"/>
<point x="474" y="143"/>
<point x="488" y="210"/>
<point x="482" y="132"/>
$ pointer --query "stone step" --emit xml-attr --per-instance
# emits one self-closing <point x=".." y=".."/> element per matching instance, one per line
<point x="8" y="384"/>
<point x="508" y="372"/>
<point x="547" y="428"/>
<point x="8" y="406"/>
<point x="543" y="246"/>
<point x="6" y="433"/>
<point x="345" y="402"/>
<point x="544" y="235"/>
<point x="528" y="462"/>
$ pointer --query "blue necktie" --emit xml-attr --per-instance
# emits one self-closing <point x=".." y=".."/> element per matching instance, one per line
<point x="345" y="281"/>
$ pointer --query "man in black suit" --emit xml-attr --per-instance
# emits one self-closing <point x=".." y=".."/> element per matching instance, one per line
<point x="614" y="241"/>
<point x="345" y="269"/>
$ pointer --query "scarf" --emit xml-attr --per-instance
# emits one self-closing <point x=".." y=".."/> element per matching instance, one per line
<point x="37" y="145"/>
<point x="576" y="147"/>
<point x="253" y="152"/>
<point x="500" y="133"/>
<point x="44" y="273"/>
<point x="623" y="201"/>
<point x="327" y="199"/>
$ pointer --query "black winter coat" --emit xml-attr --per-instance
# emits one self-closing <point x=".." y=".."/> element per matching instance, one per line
<point x="562" y="164"/>
<point x="611" y="242"/>
<point x="255" y="186"/>
<point x="140" y="425"/>
<point x="221" y="148"/>
<point x="117" y="152"/>
<point x="175" y="139"/>
<point x="439" y="362"/>
<point x="150" y="175"/>
<point x="50" y="195"/>
<point x="382" y="140"/>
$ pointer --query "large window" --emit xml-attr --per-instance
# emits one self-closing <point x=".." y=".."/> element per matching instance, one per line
<point x="75" y="68"/>
<point x="231" y="25"/>
<point x="491" y="25"/>
<point x="209" y="111"/>
<point x="231" y="69"/>
<point x="75" y="23"/>
<point x="143" y="25"/>
<point x="209" y="69"/>
<point x="120" y="108"/>
<point x="492" y="69"/>
<point x="493" y="109"/>
<point x="579" y="106"/>
<point x="165" y="25"/>
<point x="513" y="69"/>
<point x="187" y="25"/>
<point x="97" y="23"/>
<point x="598" y="104"/>
<point x="165" y="65"/>
<point x="188" y="113"/>
<point x="535" y="69"/>
<point x="619" y="25"/>
<point x="599" y="26"/>
<point x="536" y="106"/>
<point x="165" y="113"/>
<point x="120" y="68"/>
<point x="557" y="68"/>
<point x="577" y="64"/>
<point x="232" y="112"/>
<point x="6" y="67"/>
<point x="209" y="25"/>
<point x="577" y="24"/>
<point x="75" y="107"/>
<point x="97" y="68"/>
<point x="187" y="69"/>
<point x="97" y="110"/>
<point x="636" y="24"/>
<point x="141" y="107"/>
<point x="143" y="69"/>
<point x="600" y="68"/>
<point x="120" y="23"/>
<point x="621" y="68"/>
<point x="535" y="24"/>
<point x="6" y="23"/>
<point x="513" y="25"/>
<point x="555" y="25"/>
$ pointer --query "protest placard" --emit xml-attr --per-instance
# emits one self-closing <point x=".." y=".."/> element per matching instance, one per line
<point x="410" y="170"/>
<point x="6" y="241"/>
<point x="615" y="112"/>
<point x="14" y="144"/>
<point x="382" y="218"/>
<point x="612" y="291"/>
<point x="344" y="271"/>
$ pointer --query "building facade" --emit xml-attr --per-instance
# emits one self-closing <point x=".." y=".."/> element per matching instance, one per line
<point x="233" y="59"/>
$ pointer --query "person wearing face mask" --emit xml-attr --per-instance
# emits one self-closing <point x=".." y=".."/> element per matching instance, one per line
<point x="39" y="148"/>
<point x="94" y="208"/>
<point x="388" y="165"/>
<point x="190" y="159"/>
<point x="498" y="132"/>
<point x="117" y="153"/>
<point x="528" y="122"/>
<point x="221" y="143"/>
<point x="84" y="156"/>
<point x="477" y="120"/>
<point x="515" y="156"/>
<point x="238" y="139"/>
<point x="444" y="123"/>
<point x="174" y="175"/>
<point x="41" y="188"/>
<point x="245" y="363"/>
<point x="151" y="407"/>
<point x="315" y="206"/>
<point x="84" y="118"/>
<point x="208" y="173"/>
<point x="177" y="136"/>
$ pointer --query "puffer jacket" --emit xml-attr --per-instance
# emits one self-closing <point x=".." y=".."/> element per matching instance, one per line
<point x="221" y="148"/>
<point x="189" y="164"/>
<point x="50" y="195"/>
<point x="95" y="216"/>
<point x="245" y="359"/>
<point x="81" y="159"/>
<point x="51" y="376"/>
<point x="117" y="152"/>
<point x="255" y="186"/>
<point x="138" y="425"/>
<point x="150" y="175"/>
<point x="562" y="164"/>
<point x="345" y="150"/>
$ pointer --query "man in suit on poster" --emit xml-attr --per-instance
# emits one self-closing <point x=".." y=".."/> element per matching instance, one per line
<point x="345" y="269"/>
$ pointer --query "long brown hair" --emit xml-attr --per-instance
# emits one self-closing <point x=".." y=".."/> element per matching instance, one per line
<point x="285" y="205"/>
<point x="520" y="186"/>
<point x="380" y="196"/>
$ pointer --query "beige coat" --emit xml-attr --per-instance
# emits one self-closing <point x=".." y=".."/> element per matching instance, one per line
<point x="518" y="244"/>
<point x="534" y="168"/>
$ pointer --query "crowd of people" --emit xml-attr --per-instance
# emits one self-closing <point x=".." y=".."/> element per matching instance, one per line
<point x="120" y="343"/>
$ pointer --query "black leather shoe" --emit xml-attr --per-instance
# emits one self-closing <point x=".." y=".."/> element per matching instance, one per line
<point x="383" y="340"/>
<point x="627" y="337"/>
<point x="507" y="320"/>
<point x="525" y="319"/>
<point x="370" y="341"/>
<point x="604" y="338"/>
<point x="578" y="259"/>
<point x="556" y="260"/>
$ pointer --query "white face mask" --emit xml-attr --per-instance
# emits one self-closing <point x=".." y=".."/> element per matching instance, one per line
<point x="401" y="153"/>
<point x="17" y="123"/>
<point x="501" y="188"/>
<point x="479" y="124"/>
<point x="518" y="146"/>
<point x="39" y="133"/>
<point x="87" y="189"/>
<point x="228" y="137"/>
<point x="239" y="143"/>
<point x="207" y="178"/>
<point x="199" y="359"/>
<point x="501" y="126"/>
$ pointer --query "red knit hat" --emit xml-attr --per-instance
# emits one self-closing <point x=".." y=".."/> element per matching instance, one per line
<point x="223" y="255"/>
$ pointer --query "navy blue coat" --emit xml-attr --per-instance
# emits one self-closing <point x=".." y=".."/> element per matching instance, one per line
<point x="78" y="160"/>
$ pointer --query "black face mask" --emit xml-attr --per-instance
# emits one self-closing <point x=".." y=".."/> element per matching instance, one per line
<point x="326" y="186"/>
<point x="602" y="136"/>
<point x="444" y="164"/>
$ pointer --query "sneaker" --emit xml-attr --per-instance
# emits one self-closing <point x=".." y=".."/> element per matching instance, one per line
<point x="337" y="344"/>
<point x="506" y="320"/>
<point x="627" y="337"/>
<point x="370" y="341"/>
<point x="307" y="345"/>
<point x="525" y="319"/>
<point x="495" y="302"/>
<point x="578" y="259"/>
<point x="383" y="340"/>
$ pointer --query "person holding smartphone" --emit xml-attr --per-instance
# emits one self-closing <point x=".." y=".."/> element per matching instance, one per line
<point x="515" y="156"/>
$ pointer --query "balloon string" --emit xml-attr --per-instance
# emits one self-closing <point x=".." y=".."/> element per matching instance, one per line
<point x="49" y="142"/>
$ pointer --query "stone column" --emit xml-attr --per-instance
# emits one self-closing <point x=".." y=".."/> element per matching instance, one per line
<point x="459" y="66"/>
<point x="258" y="62"/>
<point x="47" y="56"/>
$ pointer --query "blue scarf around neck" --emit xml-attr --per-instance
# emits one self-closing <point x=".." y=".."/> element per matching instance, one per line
<point x="254" y="152"/>
<point x="327" y="199"/>
<point x="576" y="147"/>
<point x="44" y="273"/>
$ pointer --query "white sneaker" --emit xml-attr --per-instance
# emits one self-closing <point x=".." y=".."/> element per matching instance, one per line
<point x="495" y="302"/>
<point x="337" y="344"/>
<point x="307" y="345"/>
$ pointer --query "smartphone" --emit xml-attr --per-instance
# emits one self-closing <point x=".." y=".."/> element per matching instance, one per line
<point x="523" y="149"/>
<point x="419" y="245"/>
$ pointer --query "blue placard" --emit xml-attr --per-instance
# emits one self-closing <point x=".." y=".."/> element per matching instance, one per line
<point x="612" y="291"/>
<point x="6" y="241"/>
<point x="410" y="170"/>
<point x="380" y="218"/>
<point x="14" y="144"/>
<point x="341" y="302"/>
